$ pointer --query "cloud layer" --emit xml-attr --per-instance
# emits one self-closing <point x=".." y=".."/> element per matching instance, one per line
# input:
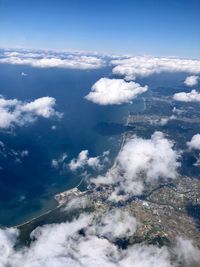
<point x="114" y="91"/>
<point x="192" y="96"/>
<point x="42" y="59"/>
<point x="15" y="112"/>
<point x="83" y="242"/>
<point x="143" y="66"/>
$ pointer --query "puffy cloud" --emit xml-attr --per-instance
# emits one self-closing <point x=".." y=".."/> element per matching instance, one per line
<point x="146" y="256"/>
<point x="143" y="66"/>
<point x="43" y="59"/>
<point x="41" y="107"/>
<point x="8" y="238"/>
<point x="84" y="160"/>
<point x="187" y="252"/>
<point x="195" y="142"/>
<point x="62" y="245"/>
<point x="84" y="242"/>
<point x="193" y="96"/>
<point x="140" y="162"/>
<point x="114" y="91"/>
<point x="14" y="112"/>
<point x="126" y="225"/>
<point x="191" y="80"/>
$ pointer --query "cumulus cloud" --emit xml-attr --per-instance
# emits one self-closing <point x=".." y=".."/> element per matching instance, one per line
<point x="192" y="96"/>
<point x="191" y="80"/>
<point x="114" y="91"/>
<point x="187" y="252"/>
<point x="8" y="238"/>
<point x="125" y="225"/>
<point x="43" y="59"/>
<point x="82" y="243"/>
<point x="85" y="242"/>
<point x="62" y="245"/>
<point x="140" y="162"/>
<point x="15" y="112"/>
<point x="195" y="142"/>
<point x="143" y="66"/>
<point x="84" y="160"/>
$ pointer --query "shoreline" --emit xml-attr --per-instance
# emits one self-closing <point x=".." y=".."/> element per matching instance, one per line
<point x="56" y="196"/>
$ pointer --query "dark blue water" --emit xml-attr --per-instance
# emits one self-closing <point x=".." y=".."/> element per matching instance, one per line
<point x="27" y="188"/>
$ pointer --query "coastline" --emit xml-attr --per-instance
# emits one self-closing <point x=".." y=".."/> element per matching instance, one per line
<point x="68" y="191"/>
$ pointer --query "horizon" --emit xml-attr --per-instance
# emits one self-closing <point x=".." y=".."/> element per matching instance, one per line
<point x="99" y="133"/>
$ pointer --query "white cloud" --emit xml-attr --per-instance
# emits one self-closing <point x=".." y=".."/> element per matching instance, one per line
<point x="8" y="238"/>
<point x="16" y="155"/>
<point x="193" y="96"/>
<point x="14" y="112"/>
<point x="114" y="91"/>
<point x="163" y="121"/>
<point x="142" y="161"/>
<point x="187" y="252"/>
<point x="43" y="107"/>
<point x="146" y="256"/>
<point x="57" y="163"/>
<point x="61" y="245"/>
<point x="44" y="59"/>
<point x="143" y="66"/>
<point x="77" y="203"/>
<point x="191" y="80"/>
<point x="125" y="225"/>
<point x="24" y="74"/>
<point x="195" y="142"/>
<point x="84" y="160"/>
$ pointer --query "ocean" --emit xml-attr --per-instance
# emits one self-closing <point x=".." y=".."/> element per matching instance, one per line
<point x="27" y="187"/>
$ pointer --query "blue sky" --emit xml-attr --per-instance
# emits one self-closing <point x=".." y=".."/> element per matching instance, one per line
<point x="163" y="28"/>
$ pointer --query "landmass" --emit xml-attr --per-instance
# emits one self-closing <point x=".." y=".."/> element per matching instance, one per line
<point x="165" y="210"/>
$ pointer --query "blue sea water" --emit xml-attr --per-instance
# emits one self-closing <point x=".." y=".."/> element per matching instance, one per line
<point x="27" y="188"/>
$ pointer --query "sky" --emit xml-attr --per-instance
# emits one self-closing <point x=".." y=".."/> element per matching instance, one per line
<point x="153" y="27"/>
